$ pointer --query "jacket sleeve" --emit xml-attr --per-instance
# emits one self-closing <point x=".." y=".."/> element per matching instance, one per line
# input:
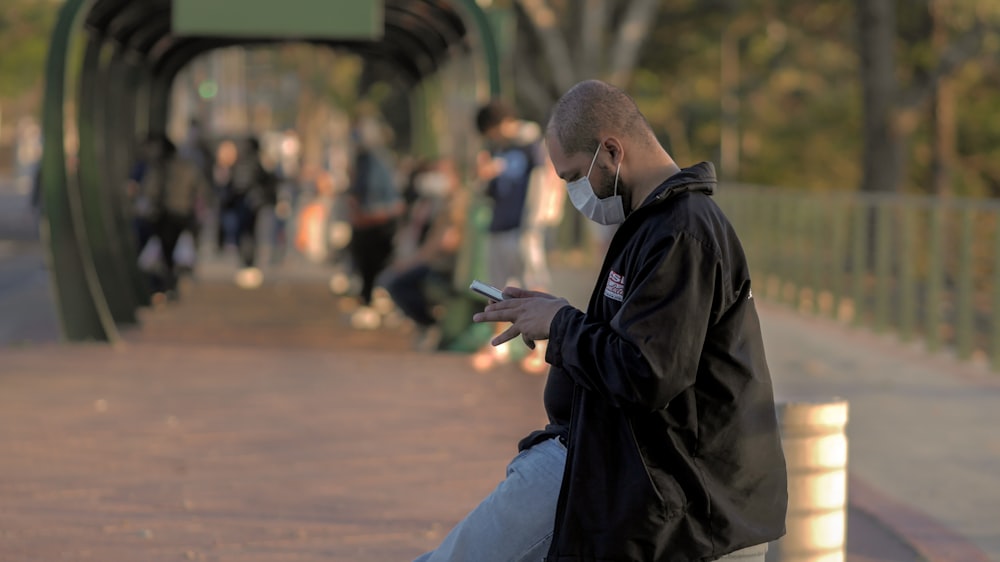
<point x="650" y="350"/>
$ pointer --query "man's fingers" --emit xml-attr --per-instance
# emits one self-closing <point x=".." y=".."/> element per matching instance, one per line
<point x="506" y="336"/>
<point x="503" y="311"/>
<point x="504" y="315"/>
<point x="527" y="342"/>
<point x="519" y="293"/>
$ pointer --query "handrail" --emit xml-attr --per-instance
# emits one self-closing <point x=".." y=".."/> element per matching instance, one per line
<point x="915" y="265"/>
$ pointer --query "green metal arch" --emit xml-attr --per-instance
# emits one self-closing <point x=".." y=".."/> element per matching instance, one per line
<point x="83" y="311"/>
<point x="95" y="188"/>
<point x="88" y="240"/>
<point x="491" y="50"/>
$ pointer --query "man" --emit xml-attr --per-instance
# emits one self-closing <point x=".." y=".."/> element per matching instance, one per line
<point x="514" y="154"/>
<point x="375" y="209"/>
<point x="172" y="189"/>
<point x="509" y="166"/>
<point x="434" y="231"/>
<point x="660" y="390"/>
<point x="251" y="188"/>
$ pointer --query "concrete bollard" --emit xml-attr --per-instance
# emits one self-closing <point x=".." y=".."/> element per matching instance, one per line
<point x="815" y="444"/>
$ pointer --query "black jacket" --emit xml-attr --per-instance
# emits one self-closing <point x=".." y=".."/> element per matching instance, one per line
<point x="673" y="446"/>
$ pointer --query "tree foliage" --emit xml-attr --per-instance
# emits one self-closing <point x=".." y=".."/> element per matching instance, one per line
<point x="783" y="80"/>
<point x="25" y="26"/>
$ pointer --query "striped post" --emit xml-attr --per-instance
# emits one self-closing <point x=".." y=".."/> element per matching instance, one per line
<point x="815" y="444"/>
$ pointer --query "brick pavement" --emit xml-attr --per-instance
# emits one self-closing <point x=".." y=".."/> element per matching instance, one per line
<point x="264" y="431"/>
<point x="181" y="452"/>
<point x="336" y="446"/>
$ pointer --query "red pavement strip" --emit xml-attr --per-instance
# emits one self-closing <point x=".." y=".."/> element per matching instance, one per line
<point x="931" y="539"/>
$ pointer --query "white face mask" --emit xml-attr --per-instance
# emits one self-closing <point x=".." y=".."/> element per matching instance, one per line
<point x="432" y="184"/>
<point x="606" y="211"/>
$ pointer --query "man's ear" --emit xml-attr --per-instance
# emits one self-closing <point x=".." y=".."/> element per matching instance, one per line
<point x="614" y="147"/>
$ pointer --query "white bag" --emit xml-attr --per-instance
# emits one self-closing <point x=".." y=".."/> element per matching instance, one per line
<point x="151" y="255"/>
<point x="185" y="254"/>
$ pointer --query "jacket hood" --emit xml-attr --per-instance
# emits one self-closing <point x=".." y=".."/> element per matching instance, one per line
<point x="699" y="178"/>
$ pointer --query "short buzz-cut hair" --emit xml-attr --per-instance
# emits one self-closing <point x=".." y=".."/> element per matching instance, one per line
<point x="589" y="108"/>
<point x="492" y="114"/>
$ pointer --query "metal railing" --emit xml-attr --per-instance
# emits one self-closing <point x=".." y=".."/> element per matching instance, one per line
<point x="923" y="267"/>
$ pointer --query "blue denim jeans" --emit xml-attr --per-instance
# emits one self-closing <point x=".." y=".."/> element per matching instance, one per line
<point x="515" y="521"/>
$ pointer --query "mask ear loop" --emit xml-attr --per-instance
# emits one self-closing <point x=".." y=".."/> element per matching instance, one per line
<point x="593" y="161"/>
<point x="618" y="169"/>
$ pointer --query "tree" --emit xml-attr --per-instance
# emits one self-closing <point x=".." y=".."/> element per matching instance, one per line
<point x="577" y="40"/>
<point x="25" y="26"/>
<point x="892" y="113"/>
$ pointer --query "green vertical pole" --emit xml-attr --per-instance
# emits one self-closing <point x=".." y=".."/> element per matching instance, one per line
<point x="859" y="263"/>
<point x="425" y="138"/>
<point x="964" y="337"/>
<point x="159" y="101"/>
<point x="123" y="93"/>
<point x="820" y="250"/>
<point x="143" y="99"/>
<point x="935" y="273"/>
<point x="883" y="262"/>
<point x="789" y="245"/>
<point x="754" y="222"/>
<point x="488" y="42"/>
<point x="95" y="192"/>
<point x="907" y="273"/>
<point x="995" y="311"/>
<point x="82" y="312"/>
<point x="841" y="216"/>
<point x="796" y="248"/>
<point x="774" y="247"/>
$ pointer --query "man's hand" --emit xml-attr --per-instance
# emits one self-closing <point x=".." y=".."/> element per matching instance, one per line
<point x="488" y="167"/>
<point x="529" y="312"/>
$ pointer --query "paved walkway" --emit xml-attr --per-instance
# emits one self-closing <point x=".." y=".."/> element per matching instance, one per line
<point x="268" y="430"/>
<point x="923" y="441"/>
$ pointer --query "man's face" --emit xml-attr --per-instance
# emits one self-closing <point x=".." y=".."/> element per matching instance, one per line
<point x="571" y="167"/>
<point x="494" y="135"/>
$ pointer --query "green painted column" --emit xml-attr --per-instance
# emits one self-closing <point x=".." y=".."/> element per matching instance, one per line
<point x="143" y="77"/>
<point x="995" y="302"/>
<point x="935" y="278"/>
<point x="908" y="272"/>
<point x="460" y="334"/>
<point x="424" y="137"/>
<point x="159" y="101"/>
<point x="123" y="81"/>
<point x="965" y="314"/>
<point x="82" y="311"/>
<point x="95" y="191"/>
<point x="488" y="42"/>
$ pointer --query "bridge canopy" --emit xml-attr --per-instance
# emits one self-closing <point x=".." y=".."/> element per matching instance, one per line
<point x="118" y="86"/>
<point x="415" y="36"/>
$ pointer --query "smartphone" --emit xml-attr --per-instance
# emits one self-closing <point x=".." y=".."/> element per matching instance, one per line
<point x="488" y="291"/>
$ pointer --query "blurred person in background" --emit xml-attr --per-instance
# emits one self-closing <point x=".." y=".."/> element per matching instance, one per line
<point x="226" y="217"/>
<point x="288" y="174"/>
<point x="251" y="187"/>
<point x="434" y="231"/>
<point x="27" y="153"/>
<point x="195" y="148"/>
<point x="512" y="156"/>
<point x="140" y="205"/>
<point x="543" y="212"/>
<point x="171" y="189"/>
<point x="375" y="207"/>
